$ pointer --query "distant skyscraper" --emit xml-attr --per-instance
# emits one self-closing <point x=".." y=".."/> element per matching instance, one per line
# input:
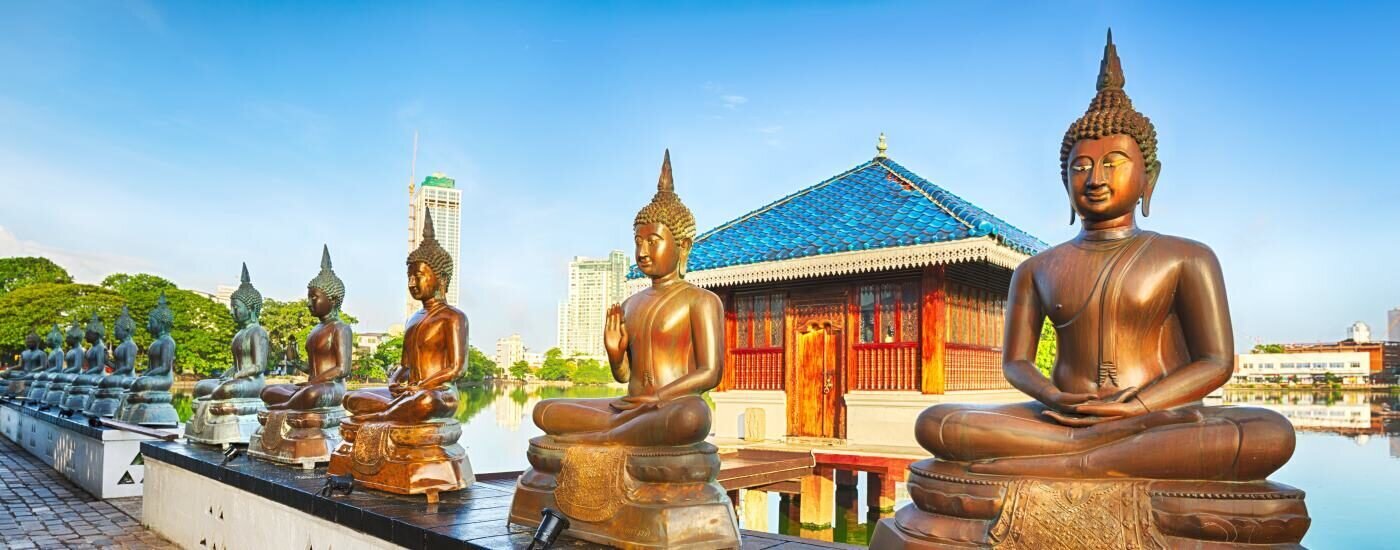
<point x="438" y="195"/>
<point x="509" y="351"/>
<point x="223" y="293"/>
<point x="595" y="284"/>
<point x="1392" y="331"/>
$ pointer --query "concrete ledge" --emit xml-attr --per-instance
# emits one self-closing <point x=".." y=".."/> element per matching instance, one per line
<point x="103" y="461"/>
<point x="887" y="417"/>
<point x="731" y="405"/>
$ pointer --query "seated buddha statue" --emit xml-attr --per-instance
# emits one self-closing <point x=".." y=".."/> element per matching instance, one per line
<point x="31" y="363"/>
<point x="148" y="401"/>
<point x="110" y="389"/>
<point x="636" y="470"/>
<point x="403" y="438"/>
<point x="84" y="386"/>
<point x="1144" y="334"/>
<point x="226" y="408"/>
<point x="53" y="364"/>
<point x="301" y="423"/>
<point x="73" y="361"/>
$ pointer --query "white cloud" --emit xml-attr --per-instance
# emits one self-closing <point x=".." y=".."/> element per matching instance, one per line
<point x="85" y="267"/>
<point x="733" y="101"/>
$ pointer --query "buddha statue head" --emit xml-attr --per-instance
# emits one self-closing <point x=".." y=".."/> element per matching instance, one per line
<point x="74" y="336"/>
<point x="124" y="326"/>
<point x="55" y="337"/>
<point x="664" y="229"/>
<point x="95" y="329"/>
<point x="325" y="293"/>
<point x="1108" y="159"/>
<point x="159" y="321"/>
<point x="429" y="265"/>
<point x="31" y="340"/>
<point x="246" y="302"/>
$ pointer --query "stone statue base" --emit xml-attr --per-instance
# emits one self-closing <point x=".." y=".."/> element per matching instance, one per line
<point x="629" y="497"/>
<point x="297" y="437"/>
<point x="409" y="459"/>
<point x="80" y="394"/>
<point x="37" y="391"/>
<point x="224" y="422"/>
<point x="954" y="508"/>
<point x="149" y="408"/>
<point x="58" y="390"/>
<point x="105" y="402"/>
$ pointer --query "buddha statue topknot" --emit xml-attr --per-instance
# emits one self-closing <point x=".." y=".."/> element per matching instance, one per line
<point x="1117" y="450"/>
<point x="226" y="408"/>
<point x="31" y="363"/>
<point x="403" y="438"/>
<point x="84" y="386"/>
<point x="636" y="471"/>
<point x="73" y="361"/>
<point x="148" y="401"/>
<point x="302" y="422"/>
<point x="110" y="389"/>
<point x="53" y="364"/>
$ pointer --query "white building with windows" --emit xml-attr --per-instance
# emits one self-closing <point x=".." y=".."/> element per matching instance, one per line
<point x="437" y="195"/>
<point x="1359" y="332"/>
<point x="509" y="351"/>
<point x="1349" y="367"/>
<point x="595" y="284"/>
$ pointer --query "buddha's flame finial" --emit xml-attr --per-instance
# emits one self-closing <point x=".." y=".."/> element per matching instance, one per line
<point x="428" y="231"/>
<point x="664" y="183"/>
<point x="666" y="207"/>
<point x="244" y="279"/>
<point x="1110" y="69"/>
<point x="431" y="252"/>
<point x="325" y="257"/>
<point x="327" y="281"/>
<point x="880" y="147"/>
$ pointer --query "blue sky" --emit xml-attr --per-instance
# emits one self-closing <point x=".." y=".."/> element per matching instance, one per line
<point x="183" y="139"/>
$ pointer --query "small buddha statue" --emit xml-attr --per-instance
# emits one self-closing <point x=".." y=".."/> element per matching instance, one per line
<point x="226" y="408"/>
<point x="107" y="400"/>
<point x="301" y="423"/>
<point x="1117" y="449"/>
<point x="53" y="364"/>
<point x="403" y="438"/>
<point x="31" y="363"/>
<point x="636" y="471"/>
<point x="58" y="387"/>
<point x="84" y="386"/>
<point x="148" y="401"/>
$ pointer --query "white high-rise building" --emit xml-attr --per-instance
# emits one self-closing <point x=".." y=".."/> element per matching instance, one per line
<point x="437" y="195"/>
<point x="224" y="293"/>
<point x="595" y="284"/>
<point x="509" y="351"/>
<point x="1359" y="332"/>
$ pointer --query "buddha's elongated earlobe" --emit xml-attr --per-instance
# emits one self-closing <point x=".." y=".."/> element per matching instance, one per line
<point x="1152" y="172"/>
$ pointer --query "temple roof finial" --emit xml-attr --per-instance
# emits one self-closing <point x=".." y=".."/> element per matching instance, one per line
<point x="880" y="147"/>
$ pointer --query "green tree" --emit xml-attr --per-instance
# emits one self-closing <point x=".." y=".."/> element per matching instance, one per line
<point x="555" y="367"/>
<point x="520" y="370"/>
<point x="1047" y="348"/>
<point x="20" y="272"/>
<point x="389" y="353"/>
<point x="203" y="328"/>
<point x="479" y="366"/>
<point x="590" y="371"/>
<point x="367" y="369"/>
<point x="1268" y="348"/>
<point x="39" y="306"/>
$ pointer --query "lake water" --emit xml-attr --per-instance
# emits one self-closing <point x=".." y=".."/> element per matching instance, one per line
<point x="1347" y="459"/>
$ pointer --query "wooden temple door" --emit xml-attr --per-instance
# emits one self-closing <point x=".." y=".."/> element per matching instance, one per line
<point x="818" y="373"/>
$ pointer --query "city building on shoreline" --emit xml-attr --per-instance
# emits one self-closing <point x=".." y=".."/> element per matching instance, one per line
<point x="438" y="196"/>
<point x="509" y="351"/>
<point x="854" y="304"/>
<point x="368" y="342"/>
<point x="595" y="284"/>
<point x="1303" y="367"/>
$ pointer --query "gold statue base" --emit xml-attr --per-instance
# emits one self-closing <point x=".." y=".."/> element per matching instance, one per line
<point x="954" y="508"/>
<point x="224" y="422"/>
<point x="297" y="437"/>
<point x="408" y="459"/>
<point x="629" y="497"/>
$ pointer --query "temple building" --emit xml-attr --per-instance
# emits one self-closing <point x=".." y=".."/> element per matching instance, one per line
<point x="854" y="304"/>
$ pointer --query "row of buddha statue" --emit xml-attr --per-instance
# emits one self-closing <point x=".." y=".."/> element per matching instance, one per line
<point x="1116" y="449"/>
<point x="77" y="381"/>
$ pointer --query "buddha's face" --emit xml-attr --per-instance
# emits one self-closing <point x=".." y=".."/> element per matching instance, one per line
<point x="241" y="313"/>
<point x="318" y="303"/>
<point x="152" y="326"/>
<point x="121" y="332"/>
<point x="92" y="336"/>
<point x="1107" y="177"/>
<point x="423" y="283"/>
<point x="31" y="341"/>
<point x="659" y="253"/>
<point x="74" y="339"/>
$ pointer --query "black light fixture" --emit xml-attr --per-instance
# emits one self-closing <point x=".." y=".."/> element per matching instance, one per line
<point x="552" y="524"/>
<point x="230" y="454"/>
<point x="65" y="413"/>
<point x="337" y="484"/>
<point x="94" y="421"/>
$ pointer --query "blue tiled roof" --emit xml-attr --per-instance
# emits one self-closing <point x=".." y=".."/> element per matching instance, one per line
<point x="878" y="204"/>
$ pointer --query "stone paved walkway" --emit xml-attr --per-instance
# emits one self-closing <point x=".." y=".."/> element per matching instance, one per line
<point x="41" y="509"/>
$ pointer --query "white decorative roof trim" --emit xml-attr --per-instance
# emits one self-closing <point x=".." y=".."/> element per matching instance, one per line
<point x="860" y="261"/>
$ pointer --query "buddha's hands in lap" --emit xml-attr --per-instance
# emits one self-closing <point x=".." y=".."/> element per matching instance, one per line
<point x="634" y="402"/>
<point x="1093" y="411"/>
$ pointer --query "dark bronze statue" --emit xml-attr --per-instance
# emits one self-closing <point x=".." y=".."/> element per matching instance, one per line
<point x="148" y="401"/>
<point x="84" y="387"/>
<point x="52" y="366"/>
<point x="301" y="423"/>
<point x="31" y="363"/>
<point x="109" y="393"/>
<point x="226" y="408"/>
<point x="1117" y="450"/>
<point x="636" y="471"/>
<point x="58" y="386"/>
<point x="403" y="438"/>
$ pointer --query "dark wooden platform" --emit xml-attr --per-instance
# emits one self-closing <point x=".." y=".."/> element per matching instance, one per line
<point x="473" y="518"/>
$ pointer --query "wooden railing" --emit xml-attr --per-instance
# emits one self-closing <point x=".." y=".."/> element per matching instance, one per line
<point x="968" y="367"/>
<point x="758" y="369"/>
<point x="886" y="366"/>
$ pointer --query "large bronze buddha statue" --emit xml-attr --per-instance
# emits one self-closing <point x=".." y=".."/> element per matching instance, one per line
<point x="73" y="361"/>
<point x="226" y="408"/>
<point x="84" y="386"/>
<point x="31" y="363"/>
<point x="403" y="438"/>
<point x="636" y="471"/>
<point x="109" y="393"/>
<point x="302" y="420"/>
<point x="1117" y="450"/>
<point x="53" y="364"/>
<point x="148" y="401"/>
